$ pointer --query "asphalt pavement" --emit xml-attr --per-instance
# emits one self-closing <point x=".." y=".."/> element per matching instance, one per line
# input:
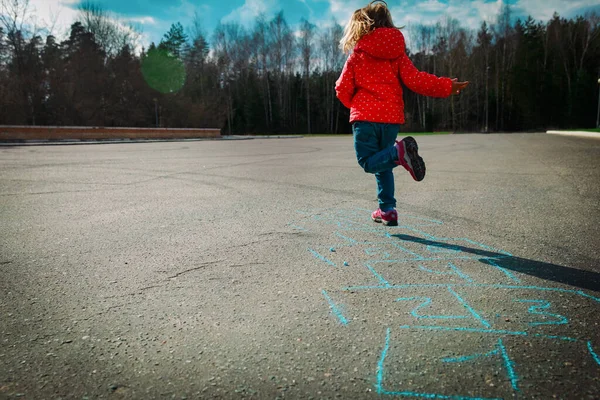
<point x="251" y="270"/>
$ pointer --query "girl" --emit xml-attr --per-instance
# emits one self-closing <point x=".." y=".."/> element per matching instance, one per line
<point x="370" y="87"/>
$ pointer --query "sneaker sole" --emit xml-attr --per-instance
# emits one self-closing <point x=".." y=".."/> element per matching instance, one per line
<point x="416" y="165"/>
<point x="386" y="223"/>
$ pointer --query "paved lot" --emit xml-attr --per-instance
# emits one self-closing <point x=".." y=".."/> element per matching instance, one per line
<point x="251" y="269"/>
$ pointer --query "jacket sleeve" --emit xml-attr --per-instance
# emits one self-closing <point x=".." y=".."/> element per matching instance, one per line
<point x="345" y="86"/>
<point x="422" y="82"/>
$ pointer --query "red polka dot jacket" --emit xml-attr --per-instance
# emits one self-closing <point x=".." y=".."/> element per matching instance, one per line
<point x="370" y="82"/>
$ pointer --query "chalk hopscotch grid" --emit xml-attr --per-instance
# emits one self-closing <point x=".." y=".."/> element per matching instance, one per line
<point x="381" y="371"/>
<point x="448" y="252"/>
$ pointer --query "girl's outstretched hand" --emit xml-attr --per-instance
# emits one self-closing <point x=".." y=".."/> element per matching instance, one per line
<point x="458" y="86"/>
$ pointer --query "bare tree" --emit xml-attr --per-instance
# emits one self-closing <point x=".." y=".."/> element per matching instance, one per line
<point x="333" y="59"/>
<point x="232" y="51"/>
<point x="112" y="35"/>
<point x="3" y="50"/>
<point x="589" y="30"/>
<point x="484" y="39"/>
<point x="502" y="31"/>
<point x="196" y="55"/>
<point x="13" y="15"/>
<point x="307" y="33"/>
<point x="282" y="41"/>
<point x="421" y="39"/>
<point x="23" y="44"/>
<point x="450" y="38"/>
<point x="262" y="44"/>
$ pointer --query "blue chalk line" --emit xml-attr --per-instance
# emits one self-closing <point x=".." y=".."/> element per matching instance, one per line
<point x="492" y="262"/>
<point x="380" y="363"/>
<point x="472" y="285"/>
<point x="425" y="304"/>
<point x="299" y="228"/>
<point x="492" y="331"/>
<point x="543" y="304"/>
<point x="379" y="277"/>
<point x="596" y="357"/>
<point x="509" y="364"/>
<point x="334" y="308"/>
<point x="468" y="307"/>
<point x="455" y="271"/>
<point x="435" y="396"/>
<point x="320" y="257"/>
<point x="381" y="391"/>
<point x="346" y="238"/>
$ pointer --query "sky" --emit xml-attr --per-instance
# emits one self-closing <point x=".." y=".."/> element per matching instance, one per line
<point x="154" y="17"/>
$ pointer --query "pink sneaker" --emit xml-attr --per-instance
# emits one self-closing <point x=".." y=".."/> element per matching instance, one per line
<point x="408" y="157"/>
<point x="389" y="218"/>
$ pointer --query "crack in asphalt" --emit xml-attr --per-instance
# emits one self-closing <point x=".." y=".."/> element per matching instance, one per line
<point x="204" y="265"/>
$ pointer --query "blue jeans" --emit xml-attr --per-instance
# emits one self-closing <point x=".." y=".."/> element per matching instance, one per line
<point x="376" y="154"/>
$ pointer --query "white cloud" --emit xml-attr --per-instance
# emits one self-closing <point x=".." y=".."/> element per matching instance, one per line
<point x="342" y="10"/>
<point x="247" y="13"/>
<point x="470" y="13"/>
<point x="488" y="11"/>
<point x="54" y="15"/>
<point x="141" y="20"/>
<point x="430" y="6"/>
<point x="543" y="9"/>
<point x="338" y="11"/>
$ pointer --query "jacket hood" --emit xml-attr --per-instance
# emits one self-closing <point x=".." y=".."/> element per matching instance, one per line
<point x="386" y="43"/>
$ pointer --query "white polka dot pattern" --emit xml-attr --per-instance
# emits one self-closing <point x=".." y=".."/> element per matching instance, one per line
<point x="370" y="81"/>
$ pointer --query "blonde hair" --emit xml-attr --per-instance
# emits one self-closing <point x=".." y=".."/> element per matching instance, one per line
<point x="364" y="21"/>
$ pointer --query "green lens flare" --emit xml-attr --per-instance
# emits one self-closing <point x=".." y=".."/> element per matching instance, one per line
<point x="163" y="72"/>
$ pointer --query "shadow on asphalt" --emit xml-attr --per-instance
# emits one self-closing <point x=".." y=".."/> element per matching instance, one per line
<point x="569" y="276"/>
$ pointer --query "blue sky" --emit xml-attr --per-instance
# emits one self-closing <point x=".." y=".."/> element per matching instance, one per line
<point x="154" y="17"/>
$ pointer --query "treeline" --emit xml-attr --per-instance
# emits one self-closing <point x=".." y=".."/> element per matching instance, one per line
<point x="273" y="78"/>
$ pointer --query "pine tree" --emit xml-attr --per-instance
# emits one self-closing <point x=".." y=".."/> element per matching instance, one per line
<point x="174" y="40"/>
